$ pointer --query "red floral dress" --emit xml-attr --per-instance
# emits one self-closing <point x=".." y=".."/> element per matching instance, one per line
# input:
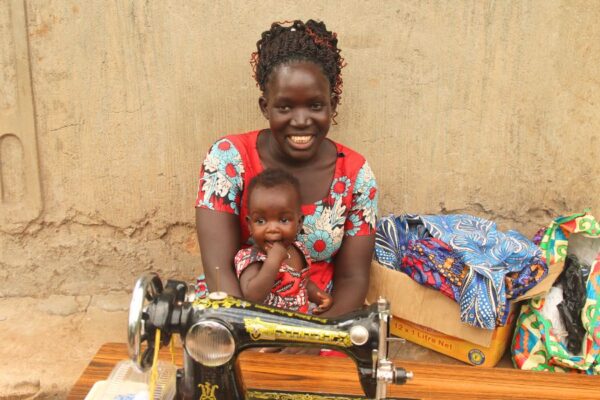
<point x="289" y="290"/>
<point x="349" y="209"/>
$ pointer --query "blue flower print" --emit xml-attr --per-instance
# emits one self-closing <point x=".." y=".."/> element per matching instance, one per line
<point x="365" y="195"/>
<point x="352" y="225"/>
<point x="223" y="170"/>
<point x="319" y="244"/>
<point x="339" y="187"/>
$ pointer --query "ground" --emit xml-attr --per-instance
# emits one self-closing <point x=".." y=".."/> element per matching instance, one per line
<point x="47" y="343"/>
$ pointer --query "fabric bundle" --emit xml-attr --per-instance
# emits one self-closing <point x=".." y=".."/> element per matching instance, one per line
<point x="570" y="343"/>
<point x="464" y="257"/>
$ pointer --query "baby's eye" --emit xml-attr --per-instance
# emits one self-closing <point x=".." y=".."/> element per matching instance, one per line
<point x="284" y="108"/>
<point x="284" y="220"/>
<point x="317" y="106"/>
<point x="260" y="221"/>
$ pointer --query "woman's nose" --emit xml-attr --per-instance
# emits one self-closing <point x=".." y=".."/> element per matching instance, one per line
<point x="301" y="117"/>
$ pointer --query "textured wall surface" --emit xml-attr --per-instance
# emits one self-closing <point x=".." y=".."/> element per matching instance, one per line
<point x="487" y="108"/>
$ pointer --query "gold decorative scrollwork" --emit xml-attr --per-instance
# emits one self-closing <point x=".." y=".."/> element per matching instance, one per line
<point x="227" y="302"/>
<point x="287" y="313"/>
<point x="261" y="330"/>
<point x="260" y="395"/>
<point x="207" y="391"/>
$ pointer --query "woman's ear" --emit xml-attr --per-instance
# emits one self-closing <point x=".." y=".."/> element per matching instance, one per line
<point x="262" y="103"/>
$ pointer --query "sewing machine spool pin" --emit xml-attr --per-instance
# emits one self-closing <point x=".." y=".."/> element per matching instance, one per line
<point x="216" y="329"/>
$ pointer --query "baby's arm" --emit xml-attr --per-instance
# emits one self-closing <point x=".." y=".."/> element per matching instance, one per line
<point x="257" y="280"/>
<point x="319" y="297"/>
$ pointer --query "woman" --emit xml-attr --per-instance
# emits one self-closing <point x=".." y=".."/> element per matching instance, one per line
<point x="297" y="68"/>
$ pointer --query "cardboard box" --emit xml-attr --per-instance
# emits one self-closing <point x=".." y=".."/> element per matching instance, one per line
<point x="425" y="316"/>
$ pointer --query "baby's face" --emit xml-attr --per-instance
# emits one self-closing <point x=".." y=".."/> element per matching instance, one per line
<point x="274" y="216"/>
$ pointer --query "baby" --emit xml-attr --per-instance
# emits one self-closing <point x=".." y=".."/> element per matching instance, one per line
<point x="275" y="270"/>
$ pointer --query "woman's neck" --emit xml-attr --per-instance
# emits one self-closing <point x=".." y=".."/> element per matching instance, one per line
<point x="272" y="156"/>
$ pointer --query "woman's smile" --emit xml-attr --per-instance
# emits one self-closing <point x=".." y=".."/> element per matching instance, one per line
<point x="301" y="142"/>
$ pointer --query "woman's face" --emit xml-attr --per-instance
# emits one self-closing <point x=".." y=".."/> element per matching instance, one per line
<point x="299" y="105"/>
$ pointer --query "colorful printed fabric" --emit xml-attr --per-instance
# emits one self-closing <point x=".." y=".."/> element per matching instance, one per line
<point x="489" y="255"/>
<point x="402" y="243"/>
<point x="519" y="282"/>
<point x="392" y="237"/>
<point x="431" y="262"/>
<point x="556" y="239"/>
<point x="349" y="209"/>
<point x="534" y="346"/>
<point x="289" y="290"/>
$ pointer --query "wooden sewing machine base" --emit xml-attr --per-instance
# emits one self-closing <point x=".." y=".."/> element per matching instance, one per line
<point x="338" y="377"/>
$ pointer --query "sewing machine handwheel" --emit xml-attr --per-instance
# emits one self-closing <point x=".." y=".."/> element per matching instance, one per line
<point x="146" y="289"/>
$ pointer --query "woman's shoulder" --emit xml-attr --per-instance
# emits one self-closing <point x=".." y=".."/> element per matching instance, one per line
<point x="350" y="162"/>
<point x="241" y="141"/>
<point x="349" y="153"/>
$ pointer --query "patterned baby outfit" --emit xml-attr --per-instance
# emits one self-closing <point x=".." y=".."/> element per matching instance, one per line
<point x="289" y="290"/>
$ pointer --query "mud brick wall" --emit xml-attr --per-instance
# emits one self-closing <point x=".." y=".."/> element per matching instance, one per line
<point x="107" y="109"/>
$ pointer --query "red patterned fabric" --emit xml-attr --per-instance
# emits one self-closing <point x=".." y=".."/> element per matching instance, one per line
<point x="289" y="290"/>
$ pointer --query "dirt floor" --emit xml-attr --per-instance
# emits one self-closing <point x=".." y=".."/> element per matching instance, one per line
<point x="46" y="344"/>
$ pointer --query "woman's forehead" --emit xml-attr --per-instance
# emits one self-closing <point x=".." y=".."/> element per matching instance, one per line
<point x="298" y="74"/>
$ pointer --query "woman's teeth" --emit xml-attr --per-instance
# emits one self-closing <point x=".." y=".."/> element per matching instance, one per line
<point x="300" y="139"/>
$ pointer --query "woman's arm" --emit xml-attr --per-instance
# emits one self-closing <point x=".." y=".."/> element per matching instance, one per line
<point x="352" y="263"/>
<point x="351" y="274"/>
<point x="219" y="239"/>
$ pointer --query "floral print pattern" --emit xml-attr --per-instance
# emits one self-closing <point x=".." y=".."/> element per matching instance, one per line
<point x="349" y="209"/>
<point x="221" y="178"/>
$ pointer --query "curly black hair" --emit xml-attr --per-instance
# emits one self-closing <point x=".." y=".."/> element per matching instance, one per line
<point x="298" y="41"/>
<point x="273" y="177"/>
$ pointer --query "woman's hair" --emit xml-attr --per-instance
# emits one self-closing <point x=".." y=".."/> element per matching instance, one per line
<point x="271" y="178"/>
<point x="298" y="41"/>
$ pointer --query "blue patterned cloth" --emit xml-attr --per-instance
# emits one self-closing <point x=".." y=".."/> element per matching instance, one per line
<point x="392" y="237"/>
<point x="489" y="254"/>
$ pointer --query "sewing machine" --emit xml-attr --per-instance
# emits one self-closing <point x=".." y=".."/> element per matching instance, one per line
<point x="216" y="329"/>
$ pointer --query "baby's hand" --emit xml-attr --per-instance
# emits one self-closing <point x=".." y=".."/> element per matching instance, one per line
<point x="326" y="301"/>
<point x="277" y="251"/>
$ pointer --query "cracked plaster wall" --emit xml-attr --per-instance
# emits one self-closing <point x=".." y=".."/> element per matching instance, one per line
<point x="488" y="108"/>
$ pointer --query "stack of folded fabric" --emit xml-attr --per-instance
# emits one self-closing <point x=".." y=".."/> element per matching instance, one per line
<point x="464" y="257"/>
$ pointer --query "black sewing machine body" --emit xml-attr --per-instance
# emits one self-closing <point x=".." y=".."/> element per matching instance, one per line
<point x="216" y="329"/>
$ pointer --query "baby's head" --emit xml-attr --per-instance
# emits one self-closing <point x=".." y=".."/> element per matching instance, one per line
<point x="274" y="213"/>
